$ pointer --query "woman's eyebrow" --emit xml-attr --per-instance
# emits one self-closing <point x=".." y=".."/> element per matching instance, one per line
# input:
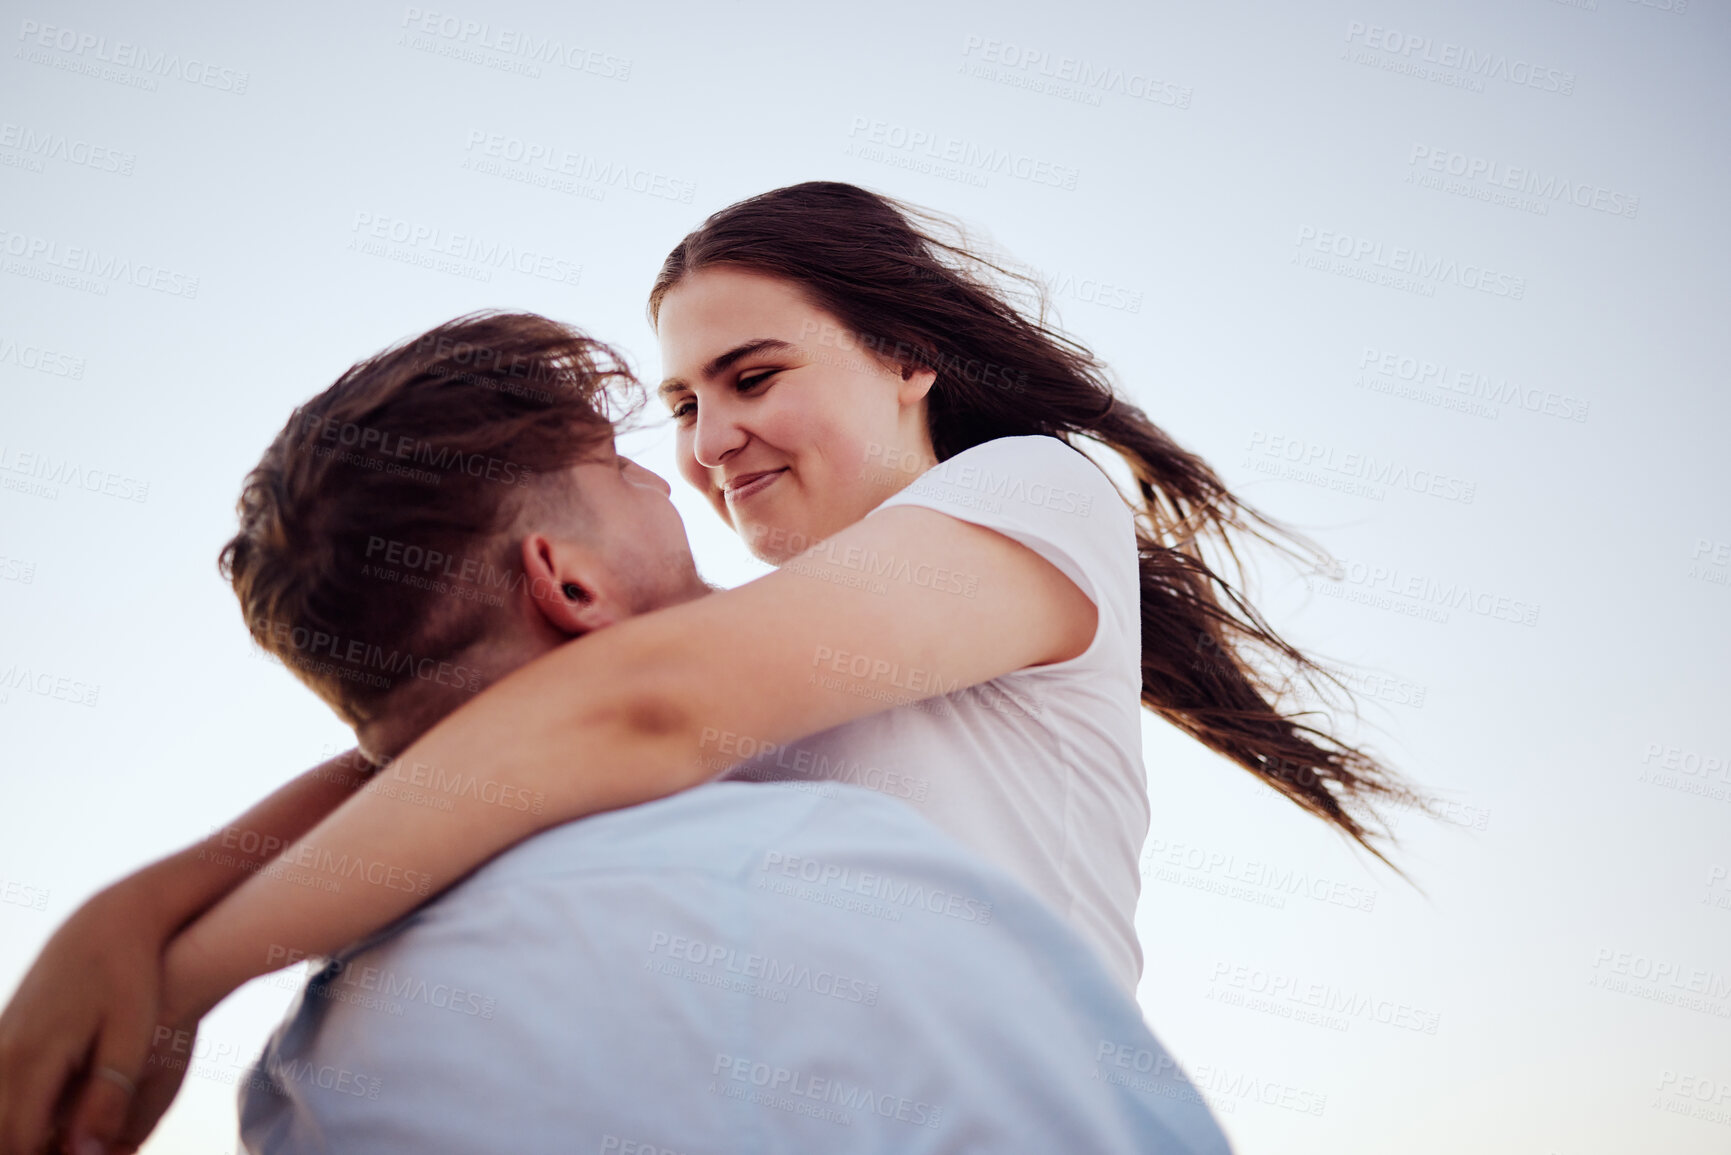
<point x="719" y="365"/>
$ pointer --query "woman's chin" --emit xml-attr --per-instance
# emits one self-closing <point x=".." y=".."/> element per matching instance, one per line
<point x="773" y="541"/>
<point x="763" y="540"/>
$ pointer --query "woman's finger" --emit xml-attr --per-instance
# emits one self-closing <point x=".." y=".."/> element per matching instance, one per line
<point x="29" y="1089"/>
<point x="116" y="1069"/>
<point x="156" y="1092"/>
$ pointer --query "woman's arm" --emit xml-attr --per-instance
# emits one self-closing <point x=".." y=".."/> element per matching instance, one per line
<point x="98" y="977"/>
<point x="182" y="886"/>
<point x="627" y="714"/>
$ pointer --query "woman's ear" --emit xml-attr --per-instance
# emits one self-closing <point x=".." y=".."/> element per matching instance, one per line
<point x="917" y="381"/>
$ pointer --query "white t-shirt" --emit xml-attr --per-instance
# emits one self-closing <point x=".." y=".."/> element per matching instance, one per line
<point x="1040" y="770"/>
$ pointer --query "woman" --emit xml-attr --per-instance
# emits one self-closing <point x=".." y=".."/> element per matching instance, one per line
<point x="828" y="357"/>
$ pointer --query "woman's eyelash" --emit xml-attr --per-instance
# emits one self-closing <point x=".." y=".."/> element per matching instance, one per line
<point x="742" y="384"/>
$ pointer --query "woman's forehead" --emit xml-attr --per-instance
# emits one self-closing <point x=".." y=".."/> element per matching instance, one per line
<point x="714" y="319"/>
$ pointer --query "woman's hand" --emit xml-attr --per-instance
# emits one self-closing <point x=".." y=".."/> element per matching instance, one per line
<point x="89" y="1004"/>
<point x="173" y="1045"/>
<point x="96" y="995"/>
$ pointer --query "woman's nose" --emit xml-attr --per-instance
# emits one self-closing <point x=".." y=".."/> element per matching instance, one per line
<point x="715" y="436"/>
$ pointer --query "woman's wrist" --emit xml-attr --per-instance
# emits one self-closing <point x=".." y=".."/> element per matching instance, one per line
<point x="145" y="902"/>
<point x="168" y="893"/>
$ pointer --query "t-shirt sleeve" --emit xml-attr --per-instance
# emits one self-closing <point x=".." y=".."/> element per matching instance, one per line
<point x="1049" y="497"/>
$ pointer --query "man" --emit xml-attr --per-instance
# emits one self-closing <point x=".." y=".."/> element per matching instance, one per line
<point x="738" y="967"/>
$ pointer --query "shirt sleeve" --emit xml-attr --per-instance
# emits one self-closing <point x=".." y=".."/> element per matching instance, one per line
<point x="1049" y="497"/>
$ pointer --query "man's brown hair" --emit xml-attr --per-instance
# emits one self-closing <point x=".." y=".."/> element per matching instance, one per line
<point x="368" y="551"/>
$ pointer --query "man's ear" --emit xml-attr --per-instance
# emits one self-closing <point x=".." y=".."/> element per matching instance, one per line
<point x="567" y="585"/>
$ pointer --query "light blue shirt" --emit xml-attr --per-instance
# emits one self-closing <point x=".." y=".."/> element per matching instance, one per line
<point x="741" y="967"/>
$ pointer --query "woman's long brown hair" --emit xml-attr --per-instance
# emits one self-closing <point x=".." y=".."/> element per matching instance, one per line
<point x="1211" y="664"/>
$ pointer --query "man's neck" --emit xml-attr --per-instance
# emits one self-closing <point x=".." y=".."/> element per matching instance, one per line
<point x="395" y="730"/>
<point x="418" y="705"/>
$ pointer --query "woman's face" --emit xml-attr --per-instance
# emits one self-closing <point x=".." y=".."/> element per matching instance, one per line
<point x="787" y="425"/>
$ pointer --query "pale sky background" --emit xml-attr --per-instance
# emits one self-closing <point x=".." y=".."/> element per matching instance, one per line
<point x="1574" y="953"/>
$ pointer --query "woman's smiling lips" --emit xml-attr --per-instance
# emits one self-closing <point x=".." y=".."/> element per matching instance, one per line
<point x="749" y="484"/>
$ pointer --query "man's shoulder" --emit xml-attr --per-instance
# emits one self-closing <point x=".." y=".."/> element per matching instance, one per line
<point x="773" y="869"/>
<point x="722" y="828"/>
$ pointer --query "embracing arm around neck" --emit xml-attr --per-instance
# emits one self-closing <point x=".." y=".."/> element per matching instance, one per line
<point x="620" y="717"/>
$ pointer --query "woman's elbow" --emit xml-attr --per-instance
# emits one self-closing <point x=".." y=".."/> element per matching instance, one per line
<point x="652" y="734"/>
